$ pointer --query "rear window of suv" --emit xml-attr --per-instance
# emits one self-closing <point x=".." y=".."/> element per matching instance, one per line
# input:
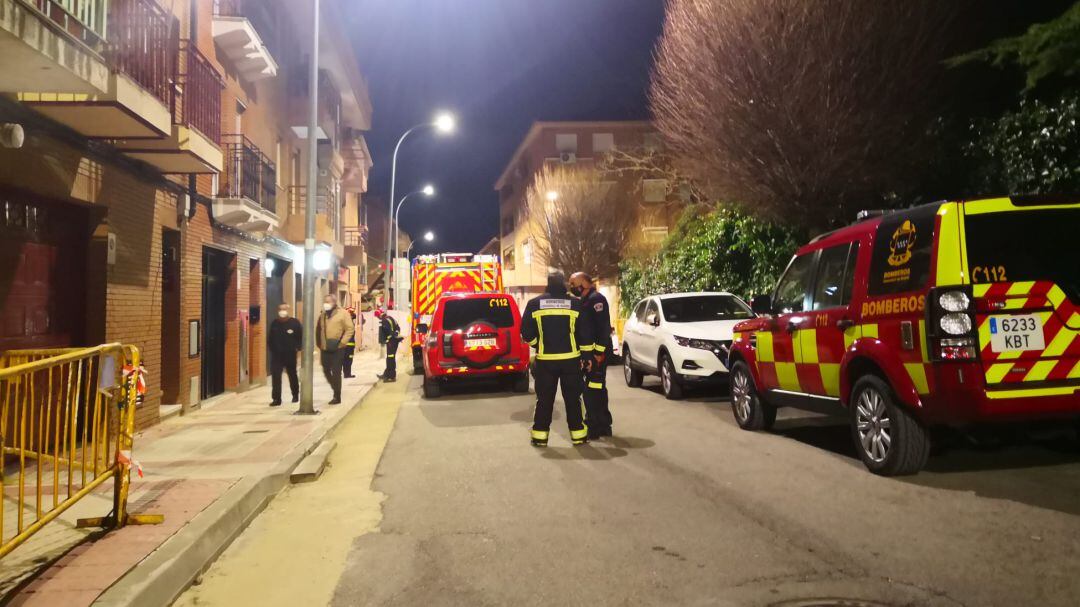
<point x="1023" y="246"/>
<point x="460" y="313"/>
<point x="903" y="246"/>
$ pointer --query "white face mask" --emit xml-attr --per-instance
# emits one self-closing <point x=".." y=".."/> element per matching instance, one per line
<point x="327" y="307"/>
<point x="283" y="313"/>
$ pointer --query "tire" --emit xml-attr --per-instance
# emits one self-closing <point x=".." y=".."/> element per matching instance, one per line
<point x="432" y="388"/>
<point x="669" y="379"/>
<point x="890" y="442"/>
<point x="632" y="376"/>
<point x="417" y="361"/>
<point x="521" y="383"/>
<point x="750" y="410"/>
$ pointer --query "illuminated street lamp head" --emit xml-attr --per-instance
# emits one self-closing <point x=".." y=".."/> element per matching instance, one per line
<point x="429" y="236"/>
<point x="552" y="195"/>
<point x="444" y="123"/>
<point x="429" y="190"/>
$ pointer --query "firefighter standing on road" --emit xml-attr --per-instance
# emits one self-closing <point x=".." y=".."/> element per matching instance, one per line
<point x="596" y="313"/>
<point x="390" y="336"/>
<point x="551" y="323"/>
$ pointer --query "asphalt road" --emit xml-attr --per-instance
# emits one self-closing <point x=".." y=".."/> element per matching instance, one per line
<point x="682" y="507"/>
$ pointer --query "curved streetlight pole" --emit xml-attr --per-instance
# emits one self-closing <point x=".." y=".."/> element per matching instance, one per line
<point x="428" y="191"/>
<point x="444" y="123"/>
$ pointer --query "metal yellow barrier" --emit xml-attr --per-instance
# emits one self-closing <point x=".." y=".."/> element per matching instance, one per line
<point x="67" y="419"/>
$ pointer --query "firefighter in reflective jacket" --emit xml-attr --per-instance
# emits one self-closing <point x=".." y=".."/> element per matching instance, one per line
<point x="596" y="313"/>
<point x="390" y="336"/>
<point x="551" y="323"/>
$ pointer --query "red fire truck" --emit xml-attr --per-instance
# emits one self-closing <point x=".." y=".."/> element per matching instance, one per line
<point x="434" y="275"/>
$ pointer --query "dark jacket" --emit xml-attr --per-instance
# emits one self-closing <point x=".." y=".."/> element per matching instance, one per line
<point x="388" y="329"/>
<point x="286" y="336"/>
<point x="596" y="312"/>
<point x="552" y="324"/>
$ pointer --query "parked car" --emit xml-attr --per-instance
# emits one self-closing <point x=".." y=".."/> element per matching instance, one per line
<point x="474" y="335"/>
<point x="951" y="313"/>
<point x="682" y="337"/>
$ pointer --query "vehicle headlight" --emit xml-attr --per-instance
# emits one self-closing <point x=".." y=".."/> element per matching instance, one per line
<point x="700" y="344"/>
<point x="956" y="324"/>
<point x="954" y="301"/>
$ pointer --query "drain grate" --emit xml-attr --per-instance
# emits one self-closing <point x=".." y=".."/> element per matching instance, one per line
<point x="828" y="603"/>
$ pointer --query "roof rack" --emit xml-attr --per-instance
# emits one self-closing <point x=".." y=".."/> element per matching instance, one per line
<point x="865" y="214"/>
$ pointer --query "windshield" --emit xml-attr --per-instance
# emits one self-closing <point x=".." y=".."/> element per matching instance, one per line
<point x="704" y="308"/>
<point x="1025" y="245"/>
<point x="460" y="313"/>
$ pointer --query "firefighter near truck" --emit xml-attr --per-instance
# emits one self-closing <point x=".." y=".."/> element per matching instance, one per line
<point x="956" y="313"/>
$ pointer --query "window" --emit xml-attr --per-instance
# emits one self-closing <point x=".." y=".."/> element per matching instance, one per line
<point x="460" y="313"/>
<point x="639" y="310"/>
<point x="651" y="141"/>
<point x="566" y="142"/>
<point x="1025" y="245"/>
<point x="704" y="308"/>
<point x="900" y="260"/>
<point x="792" y="289"/>
<point x="508" y="258"/>
<point x="654" y="190"/>
<point x="603" y="142"/>
<point x="526" y="252"/>
<point x="834" y="277"/>
<point x="508" y="224"/>
<point x="652" y="309"/>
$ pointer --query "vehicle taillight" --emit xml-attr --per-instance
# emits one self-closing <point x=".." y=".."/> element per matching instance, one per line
<point x="950" y="324"/>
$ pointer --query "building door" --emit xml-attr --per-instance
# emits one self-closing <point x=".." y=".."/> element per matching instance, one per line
<point x="216" y="277"/>
<point x="170" y="316"/>
<point x="43" y="248"/>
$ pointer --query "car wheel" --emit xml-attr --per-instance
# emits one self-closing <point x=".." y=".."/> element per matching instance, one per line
<point x="751" y="411"/>
<point x="632" y="376"/>
<point x="432" y="388"/>
<point x="521" y="383"/>
<point x="889" y="440"/>
<point x="669" y="379"/>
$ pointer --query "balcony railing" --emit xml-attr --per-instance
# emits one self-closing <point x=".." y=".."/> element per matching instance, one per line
<point x="355" y="236"/>
<point x="143" y="43"/>
<point x="198" y="104"/>
<point x="248" y="173"/>
<point x="325" y="203"/>
<point x="86" y="20"/>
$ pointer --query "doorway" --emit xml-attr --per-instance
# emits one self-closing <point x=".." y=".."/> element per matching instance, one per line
<point x="170" y="316"/>
<point x="217" y="275"/>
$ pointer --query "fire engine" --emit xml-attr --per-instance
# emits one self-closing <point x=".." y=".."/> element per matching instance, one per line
<point x="441" y="273"/>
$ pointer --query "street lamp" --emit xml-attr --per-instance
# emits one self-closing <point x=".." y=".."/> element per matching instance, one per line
<point x="428" y="190"/>
<point x="307" y="406"/>
<point x="442" y="123"/>
<point x="429" y="236"/>
<point x="552" y="195"/>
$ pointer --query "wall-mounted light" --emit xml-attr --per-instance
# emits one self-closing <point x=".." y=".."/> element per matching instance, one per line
<point x="322" y="260"/>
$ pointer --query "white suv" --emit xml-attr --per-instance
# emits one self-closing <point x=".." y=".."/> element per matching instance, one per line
<point x="682" y="337"/>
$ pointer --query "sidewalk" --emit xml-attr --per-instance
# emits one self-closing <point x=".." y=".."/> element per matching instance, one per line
<point x="209" y="472"/>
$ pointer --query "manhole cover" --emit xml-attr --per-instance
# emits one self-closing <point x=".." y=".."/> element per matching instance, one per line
<point x="828" y="603"/>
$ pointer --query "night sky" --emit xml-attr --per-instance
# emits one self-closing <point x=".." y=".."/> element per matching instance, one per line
<point x="498" y="65"/>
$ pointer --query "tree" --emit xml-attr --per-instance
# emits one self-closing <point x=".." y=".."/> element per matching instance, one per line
<point x="801" y="111"/>
<point x="579" y="220"/>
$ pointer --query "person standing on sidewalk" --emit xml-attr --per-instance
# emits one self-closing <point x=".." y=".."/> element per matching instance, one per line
<point x="334" y="330"/>
<point x="350" y="347"/>
<point x="285" y="340"/>
<point x="390" y="336"/>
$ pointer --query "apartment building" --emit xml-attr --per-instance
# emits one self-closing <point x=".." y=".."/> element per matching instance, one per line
<point x="574" y="144"/>
<point x="158" y="195"/>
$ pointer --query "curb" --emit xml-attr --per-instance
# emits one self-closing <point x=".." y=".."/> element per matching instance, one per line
<point x="161" y="577"/>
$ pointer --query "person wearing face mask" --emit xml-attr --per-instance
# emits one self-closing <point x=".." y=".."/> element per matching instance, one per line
<point x="285" y="340"/>
<point x="334" y="330"/>
<point x="597" y="314"/>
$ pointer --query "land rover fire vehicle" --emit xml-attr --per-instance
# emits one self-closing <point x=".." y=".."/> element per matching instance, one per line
<point x="953" y="313"/>
<point x="474" y="335"/>
<point x="433" y="275"/>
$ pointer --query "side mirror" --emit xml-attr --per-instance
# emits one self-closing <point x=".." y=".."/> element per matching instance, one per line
<point x="761" y="304"/>
<point x="652" y="319"/>
<point x="422" y="328"/>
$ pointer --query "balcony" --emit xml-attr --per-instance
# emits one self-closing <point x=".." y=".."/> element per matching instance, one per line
<point x="104" y="69"/>
<point x="357" y="163"/>
<point x="238" y="38"/>
<point x="355" y="241"/>
<point x="192" y="143"/>
<point x="247" y="198"/>
<point x="327" y="217"/>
